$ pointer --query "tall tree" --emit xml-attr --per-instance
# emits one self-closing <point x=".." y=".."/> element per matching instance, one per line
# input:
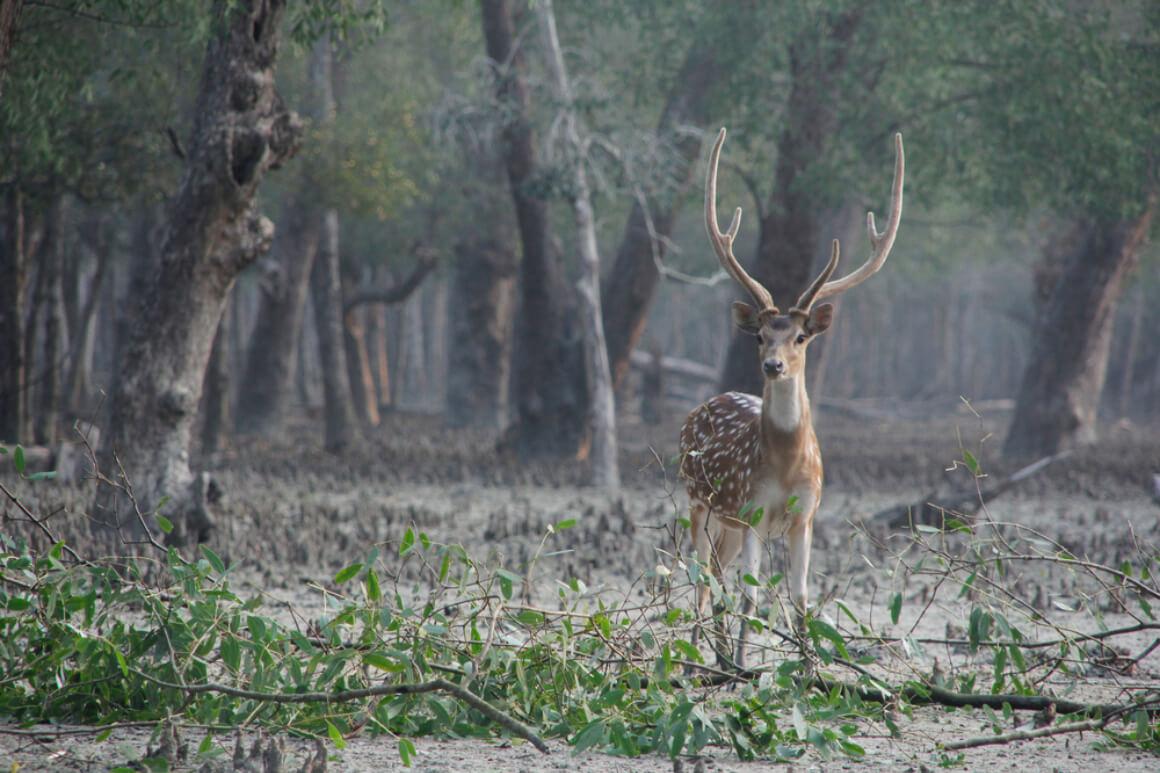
<point x="49" y="305"/>
<point x="720" y="40"/>
<point x="13" y="265"/>
<point x="326" y="294"/>
<point x="1066" y="101"/>
<point x="603" y="462"/>
<point x="481" y="311"/>
<point x="9" y="17"/>
<point x="272" y="355"/>
<point x="789" y="236"/>
<point x="1059" y="396"/>
<point x="213" y="230"/>
<point x="551" y="407"/>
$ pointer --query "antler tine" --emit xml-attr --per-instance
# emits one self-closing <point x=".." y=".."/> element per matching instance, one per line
<point x="881" y="242"/>
<point x="806" y="300"/>
<point x="723" y="242"/>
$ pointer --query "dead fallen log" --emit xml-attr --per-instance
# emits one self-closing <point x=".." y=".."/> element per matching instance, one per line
<point x="934" y="508"/>
<point x="676" y="366"/>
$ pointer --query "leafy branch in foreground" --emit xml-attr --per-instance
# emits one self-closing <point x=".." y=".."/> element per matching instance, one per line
<point x="419" y="639"/>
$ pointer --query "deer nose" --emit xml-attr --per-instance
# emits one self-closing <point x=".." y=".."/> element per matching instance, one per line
<point x="773" y="367"/>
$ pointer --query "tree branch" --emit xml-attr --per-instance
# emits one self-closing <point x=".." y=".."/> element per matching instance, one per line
<point x="342" y="696"/>
<point x="398" y="292"/>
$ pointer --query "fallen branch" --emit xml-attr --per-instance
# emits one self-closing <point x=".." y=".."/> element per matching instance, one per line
<point x="1025" y="735"/>
<point x="932" y="509"/>
<point x="1068" y="727"/>
<point x="343" y="696"/>
<point x="928" y="695"/>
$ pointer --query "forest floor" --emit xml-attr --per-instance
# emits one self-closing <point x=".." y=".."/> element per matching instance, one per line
<point x="293" y="516"/>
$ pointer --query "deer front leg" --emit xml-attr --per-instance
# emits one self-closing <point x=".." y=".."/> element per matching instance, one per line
<point x="751" y="563"/>
<point x="798" y="541"/>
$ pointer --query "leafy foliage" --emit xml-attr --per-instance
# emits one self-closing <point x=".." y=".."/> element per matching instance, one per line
<point x="460" y="651"/>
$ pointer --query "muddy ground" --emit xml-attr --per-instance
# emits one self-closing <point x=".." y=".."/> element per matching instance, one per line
<point x="293" y="516"/>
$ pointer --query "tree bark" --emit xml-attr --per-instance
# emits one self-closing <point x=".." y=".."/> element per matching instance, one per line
<point x="603" y="469"/>
<point x="270" y="361"/>
<point x="50" y="300"/>
<point x="9" y="18"/>
<point x="213" y="231"/>
<point x="1059" y="395"/>
<point x="482" y="309"/>
<point x="549" y="391"/>
<point x="326" y="294"/>
<point x="83" y="334"/>
<point x="13" y="266"/>
<point x="788" y="240"/>
<point x="215" y="404"/>
<point x="358" y="367"/>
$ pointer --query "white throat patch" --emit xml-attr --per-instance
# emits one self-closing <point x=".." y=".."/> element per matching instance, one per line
<point x="783" y="405"/>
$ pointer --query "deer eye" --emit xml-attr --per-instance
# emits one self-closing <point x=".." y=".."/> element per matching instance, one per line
<point x="801" y="339"/>
<point x="760" y="339"/>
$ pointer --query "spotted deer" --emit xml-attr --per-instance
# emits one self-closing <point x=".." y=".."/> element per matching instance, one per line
<point x="752" y="467"/>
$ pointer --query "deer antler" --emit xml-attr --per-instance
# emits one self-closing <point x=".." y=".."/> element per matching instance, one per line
<point x="723" y="242"/>
<point x="881" y="242"/>
<point x="806" y="299"/>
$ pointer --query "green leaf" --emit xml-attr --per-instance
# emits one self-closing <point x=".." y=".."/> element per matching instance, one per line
<point x="827" y="631"/>
<point x="337" y="739"/>
<point x="231" y="651"/>
<point x="165" y="524"/>
<point x="49" y="475"/>
<point x="749" y="579"/>
<point x="971" y="462"/>
<point x="406" y="751"/>
<point x="895" y="607"/>
<point x="567" y="523"/>
<point x="382" y="662"/>
<point x="755" y="519"/>
<point x="347" y="573"/>
<point x="257" y="627"/>
<point x="978" y="629"/>
<point x="374" y="593"/>
<point x="506" y="580"/>
<point x="213" y="559"/>
<point x="18" y="459"/>
<point x="530" y="617"/>
<point x="407" y="543"/>
<point x="121" y="662"/>
<point x="590" y="736"/>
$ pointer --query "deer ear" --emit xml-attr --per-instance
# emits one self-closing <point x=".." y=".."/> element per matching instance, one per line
<point x="820" y="318"/>
<point x="745" y="317"/>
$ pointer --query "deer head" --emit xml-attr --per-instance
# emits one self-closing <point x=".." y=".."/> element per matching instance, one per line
<point x="782" y="338"/>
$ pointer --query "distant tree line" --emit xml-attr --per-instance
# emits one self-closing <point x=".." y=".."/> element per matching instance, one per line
<point x="211" y="222"/>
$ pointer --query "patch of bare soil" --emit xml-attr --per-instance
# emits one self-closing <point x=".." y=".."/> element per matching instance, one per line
<point x="294" y="515"/>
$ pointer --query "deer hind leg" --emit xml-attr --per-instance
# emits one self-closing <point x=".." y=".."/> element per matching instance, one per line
<point x="702" y="548"/>
<point x="702" y="542"/>
<point x="728" y="544"/>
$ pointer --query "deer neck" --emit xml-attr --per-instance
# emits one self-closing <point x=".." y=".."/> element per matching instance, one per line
<point x="785" y="408"/>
